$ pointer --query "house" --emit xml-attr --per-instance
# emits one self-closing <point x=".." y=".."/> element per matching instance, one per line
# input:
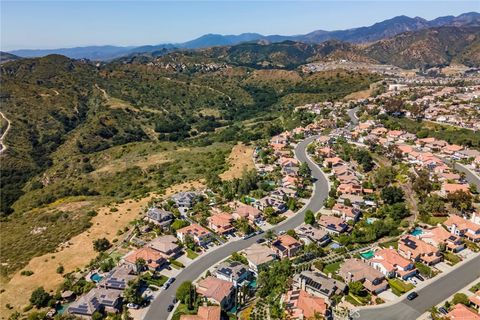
<point x="391" y="264"/>
<point x="221" y="223"/>
<point x="439" y="235"/>
<point x="461" y="312"/>
<point x="357" y="270"/>
<point x="159" y="217"/>
<point x="118" y="278"/>
<point x="185" y="199"/>
<point x="332" y="224"/>
<point x="350" y="188"/>
<point x="301" y="305"/>
<point x="418" y="250"/>
<point x="269" y="201"/>
<point x="244" y="211"/>
<point x="97" y="299"/>
<point x="217" y="291"/>
<point x="448" y="188"/>
<point x="475" y="300"/>
<point x="199" y="234"/>
<point x="204" y="313"/>
<point x="347" y="213"/>
<point x="310" y="234"/>
<point x="332" y="162"/>
<point x="259" y="256"/>
<point x="166" y="245"/>
<point x="233" y="271"/>
<point x="464" y="228"/>
<point x="318" y="284"/>
<point x="286" y="246"/>
<point x="153" y="259"/>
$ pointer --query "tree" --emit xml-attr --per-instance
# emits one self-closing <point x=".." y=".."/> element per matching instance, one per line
<point x="392" y="194"/>
<point x="460" y="298"/>
<point x="140" y="264"/>
<point x="355" y="287"/>
<point x="133" y="293"/>
<point x="178" y="224"/>
<point x="309" y="217"/>
<point x="422" y="184"/>
<point x="292" y="233"/>
<point x="101" y="245"/>
<point x="190" y="242"/>
<point x="184" y="291"/>
<point x="432" y="205"/>
<point x="460" y="200"/>
<point x="40" y="298"/>
<point x="304" y="171"/>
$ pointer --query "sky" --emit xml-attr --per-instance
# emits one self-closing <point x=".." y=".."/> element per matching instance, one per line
<point x="68" y="23"/>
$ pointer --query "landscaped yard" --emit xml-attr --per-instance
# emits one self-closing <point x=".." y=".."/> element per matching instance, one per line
<point x="357" y="300"/>
<point x="332" y="267"/>
<point x="452" y="258"/>
<point x="191" y="254"/>
<point x="475" y="288"/>
<point x="182" y="309"/>
<point x="388" y="244"/>
<point x="433" y="221"/>
<point x="399" y="287"/>
<point x="425" y="270"/>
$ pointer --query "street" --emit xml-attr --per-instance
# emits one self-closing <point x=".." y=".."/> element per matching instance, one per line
<point x="158" y="308"/>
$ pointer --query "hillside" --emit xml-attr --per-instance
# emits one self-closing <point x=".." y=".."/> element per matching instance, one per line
<point x="6" y="57"/>
<point x="429" y="47"/>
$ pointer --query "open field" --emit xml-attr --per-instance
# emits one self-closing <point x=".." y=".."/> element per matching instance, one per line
<point x="75" y="253"/>
<point x="240" y="159"/>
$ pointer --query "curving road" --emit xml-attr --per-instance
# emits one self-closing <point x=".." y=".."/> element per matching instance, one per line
<point x="158" y="309"/>
<point x="3" y="146"/>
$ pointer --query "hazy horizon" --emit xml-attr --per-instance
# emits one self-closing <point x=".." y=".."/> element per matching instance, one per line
<point x="67" y="24"/>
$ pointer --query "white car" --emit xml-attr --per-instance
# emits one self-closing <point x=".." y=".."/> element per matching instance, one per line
<point x="133" y="306"/>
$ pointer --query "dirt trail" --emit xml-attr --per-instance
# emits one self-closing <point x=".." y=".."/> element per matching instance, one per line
<point x="3" y="146"/>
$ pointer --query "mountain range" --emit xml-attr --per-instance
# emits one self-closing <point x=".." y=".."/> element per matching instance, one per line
<point x="378" y="31"/>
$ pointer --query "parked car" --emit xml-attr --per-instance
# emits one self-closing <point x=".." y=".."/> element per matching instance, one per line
<point x="412" y="295"/>
<point x="442" y="310"/>
<point x="132" y="306"/>
<point x="166" y="285"/>
<point x="261" y="240"/>
<point x="419" y="277"/>
<point x="170" y="307"/>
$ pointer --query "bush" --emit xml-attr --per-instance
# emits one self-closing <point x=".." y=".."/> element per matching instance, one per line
<point x="26" y="273"/>
<point x="60" y="269"/>
<point x="101" y="245"/>
<point x="40" y="298"/>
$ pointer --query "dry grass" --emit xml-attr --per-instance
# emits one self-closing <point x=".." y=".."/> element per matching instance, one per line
<point x="76" y="253"/>
<point x="185" y="186"/>
<point x="362" y="94"/>
<point x="240" y="159"/>
<point x="122" y="165"/>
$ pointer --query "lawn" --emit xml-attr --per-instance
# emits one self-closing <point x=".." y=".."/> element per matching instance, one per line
<point x="475" y="288"/>
<point x="191" y="254"/>
<point x="181" y="310"/>
<point x="154" y="280"/>
<point x="452" y="258"/>
<point x="433" y="221"/>
<point x="388" y="244"/>
<point x="358" y="300"/>
<point x="332" y="267"/>
<point x="399" y="287"/>
<point x="425" y="270"/>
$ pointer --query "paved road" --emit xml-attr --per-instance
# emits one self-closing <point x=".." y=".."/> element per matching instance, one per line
<point x="158" y="309"/>
<point x="429" y="296"/>
<point x="3" y="146"/>
<point x="352" y="113"/>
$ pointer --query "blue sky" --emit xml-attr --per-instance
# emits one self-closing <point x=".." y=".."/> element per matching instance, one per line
<point x="55" y="24"/>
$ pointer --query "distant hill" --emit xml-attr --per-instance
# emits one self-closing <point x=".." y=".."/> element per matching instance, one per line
<point x="378" y="31"/>
<point x="6" y="57"/>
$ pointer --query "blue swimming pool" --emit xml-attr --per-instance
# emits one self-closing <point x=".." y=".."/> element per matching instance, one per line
<point x="96" y="277"/>
<point x="417" y="231"/>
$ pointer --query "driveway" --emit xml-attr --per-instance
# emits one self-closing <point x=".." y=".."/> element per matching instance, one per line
<point x="158" y="309"/>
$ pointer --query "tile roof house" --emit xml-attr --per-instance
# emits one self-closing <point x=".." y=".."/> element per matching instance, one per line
<point x="333" y="162"/>
<point x="159" y="217"/>
<point x="475" y="300"/>
<point x="448" y="188"/>
<point x="391" y="264"/>
<point x="97" y="299"/>
<point x="463" y="227"/>
<point x="332" y="224"/>
<point x="233" y="271"/>
<point x="198" y="233"/>
<point x="118" y="278"/>
<point x="415" y="249"/>
<point x="244" y="211"/>
<point x="347" y="213"/>
<point x="461" y="312"/>
<point x="259" y="256"/>
<point x="318" y="284"/>
<point x="439" y="235"/>
<point x="357" y="270"/>
<point x="221" y="223"/>
<point x="301" y="305"/>
<point x="217" y="291"/>
<point x="204" y="313"/>
<point x="286" y="246"/>
<point x="166" y="245"/>
<point x="310" y="234"/>
<point x="154" y="259"/>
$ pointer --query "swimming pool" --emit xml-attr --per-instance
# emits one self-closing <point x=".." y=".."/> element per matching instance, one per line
<point x="96" y="277"/>
<point x="371" y="220"/>
<point x="417" y="231"/>
<point x="367" y="254"/>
